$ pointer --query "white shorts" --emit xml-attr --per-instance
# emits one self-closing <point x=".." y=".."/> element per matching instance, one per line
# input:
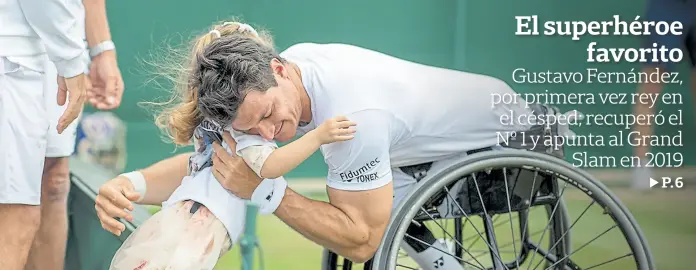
<point x="29" y="114"/>
<point x="23" y="129"/>
<point x="58" y="145"/>
<point x="404" y="183"/>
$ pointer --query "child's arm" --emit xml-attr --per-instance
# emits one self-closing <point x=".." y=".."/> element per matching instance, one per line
<point x="288" y="157"/>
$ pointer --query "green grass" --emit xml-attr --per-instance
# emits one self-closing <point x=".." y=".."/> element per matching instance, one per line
<point x="670" y="233"/>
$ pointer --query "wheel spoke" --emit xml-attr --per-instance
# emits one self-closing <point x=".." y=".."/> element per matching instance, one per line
<point x="568" y="230"/>
<point x="458" y="258"/>
<point x="480" y="237"/>
<point x="555" y="207"/>
<point x="610" y="261"/>
<point x="407" y="267"/>
<point x="548" y="193"/>
<point x="476" y="241"/>
<point x="467" y="216"/>
<point x="531" y="195"/>
<point x="506" y="245"/>
<point x="581" y="247"/>
<point x="512" y="230"/>
<point x="456" y="240"/>
<point x="490" y="235"/>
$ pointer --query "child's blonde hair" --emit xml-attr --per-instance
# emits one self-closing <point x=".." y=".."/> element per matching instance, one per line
<point x="221" y="66"/>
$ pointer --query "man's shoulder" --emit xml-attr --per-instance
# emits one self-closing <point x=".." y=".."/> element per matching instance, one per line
<point x="363" y="161"/>
<point x="304" y="48"/>
<point x="299" y="49"/>
<point x="372" y="132"/>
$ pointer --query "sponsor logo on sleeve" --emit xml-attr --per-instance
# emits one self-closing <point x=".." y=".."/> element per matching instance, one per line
<point x="362" y="174"/>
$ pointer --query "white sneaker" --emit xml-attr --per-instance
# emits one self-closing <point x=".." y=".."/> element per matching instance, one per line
<point x="449" y="244"/>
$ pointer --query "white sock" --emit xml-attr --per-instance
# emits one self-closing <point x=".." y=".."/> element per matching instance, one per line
<point x="434" y="259"/>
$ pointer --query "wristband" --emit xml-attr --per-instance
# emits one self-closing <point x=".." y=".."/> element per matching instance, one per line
<point x="269" y="194"/>
<point x="139" y="185"/>
<point x="101" y="47"/>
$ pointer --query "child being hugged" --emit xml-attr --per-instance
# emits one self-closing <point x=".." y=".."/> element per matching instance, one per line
<point x="269" y="161"/>
<point x="200" y="221"/>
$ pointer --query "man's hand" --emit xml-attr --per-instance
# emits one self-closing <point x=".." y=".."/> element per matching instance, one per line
<point x="114" y="197"/>
<point x="231" y="170"/>
<point x="107" y="82"/>
<point x="74" y="90"/>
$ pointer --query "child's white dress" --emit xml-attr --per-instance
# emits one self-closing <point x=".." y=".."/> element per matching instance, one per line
<point x="199" y="222"/>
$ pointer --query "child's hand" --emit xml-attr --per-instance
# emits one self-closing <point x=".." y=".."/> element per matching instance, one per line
<point x="335" y="129"/>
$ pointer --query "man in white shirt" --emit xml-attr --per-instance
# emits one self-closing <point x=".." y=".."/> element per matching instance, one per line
<point x="42" y="57"/>
<point x="48" y="248"/>
<point x="406" y="114"/>
<point x="32" y="31"/>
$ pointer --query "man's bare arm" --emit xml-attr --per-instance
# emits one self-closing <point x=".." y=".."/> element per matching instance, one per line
<point x="97" y="24"/>
<point x="351" y="224"/>
<point x="164" y="177"/>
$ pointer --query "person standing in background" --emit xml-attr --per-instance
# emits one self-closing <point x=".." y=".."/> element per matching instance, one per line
<point x="683" y="11"/>
<point x="33" y="31"/>
<point x="48" y="248"/>
<point x="42" y="41"/>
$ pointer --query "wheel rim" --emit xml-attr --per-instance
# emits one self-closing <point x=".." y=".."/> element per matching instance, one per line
<point x="386" y="254"/>
<point x="331" y="261"/>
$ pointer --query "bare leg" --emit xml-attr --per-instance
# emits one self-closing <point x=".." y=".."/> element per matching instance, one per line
<point x="48" y="249"/>
<point x="19" y="224"/>
<point x="693" y="89"/>
<point x="650" y="88"/>
<point x="175" y="238"/>
<point x="642" y="174"/>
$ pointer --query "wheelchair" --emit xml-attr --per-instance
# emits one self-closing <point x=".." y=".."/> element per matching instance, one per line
<point x="514" y="208"/>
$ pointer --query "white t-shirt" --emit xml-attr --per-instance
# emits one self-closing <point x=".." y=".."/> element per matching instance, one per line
<point x="406" y="113"/>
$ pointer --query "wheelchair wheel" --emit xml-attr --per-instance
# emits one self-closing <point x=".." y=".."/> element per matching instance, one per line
<point x="512" y="183"/>
<point x="332" y="261"/>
